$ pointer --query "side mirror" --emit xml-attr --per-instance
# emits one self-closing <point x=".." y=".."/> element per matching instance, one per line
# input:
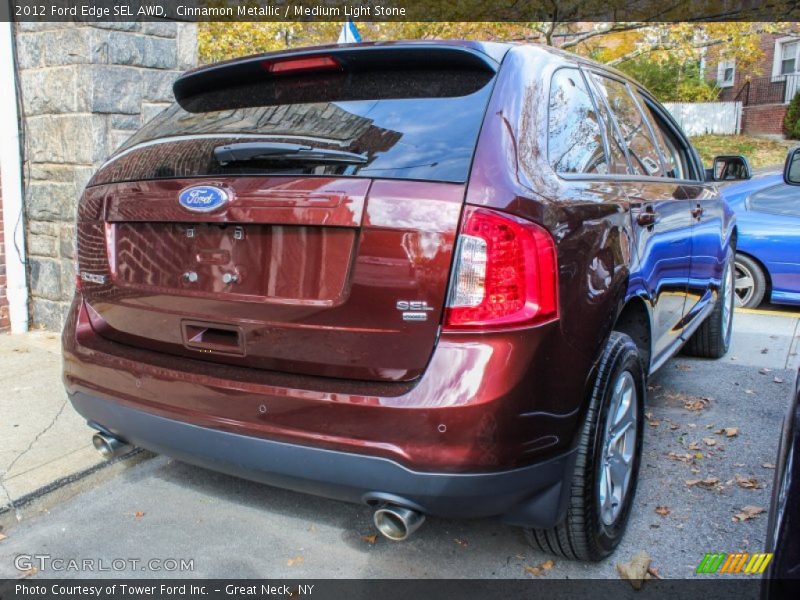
<point x="791" y="170"/>
<point x="731" y="168"/>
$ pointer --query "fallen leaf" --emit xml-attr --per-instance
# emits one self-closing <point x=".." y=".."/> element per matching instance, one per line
<point x="694" y="446"/>
<point x="768" y="465"/>
<point x="747" y="513"/>
<point x="663" y="510"/>
<point x="673" y="427"/>
<point x="777" y="380"/>
<point x="539" y="570"/>
<point x="749" y="392"/>
<point x="654" y="572"/>
<point x="708" y="482"/>
<point x="635" y="571"/>
<point x="764" y="371"/>
<point x="297" y="560"/>
<point x="695" y="404"/>
<point x="370" y="539"/>
<point x="28" y="573"/>
<point x="749" y="483"/>
<point x="138" y="514"/>
<point x="683" y="367"/>
<point x="731" y="431"/>
<point x="680" y="457"/>
<point x="709" y="441"/>
<point x="3" y="537"/>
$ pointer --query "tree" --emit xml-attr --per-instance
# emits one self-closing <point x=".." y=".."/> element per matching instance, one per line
<point x="791" y="122"/>
<point x="672" y="80"/>
<point x="613" y="42"/>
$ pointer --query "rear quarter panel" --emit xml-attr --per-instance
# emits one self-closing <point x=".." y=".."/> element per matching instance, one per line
<point x="590" y="222"/>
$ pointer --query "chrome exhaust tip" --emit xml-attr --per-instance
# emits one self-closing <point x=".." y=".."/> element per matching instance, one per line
<point x="396" y="522"/>
<point x="108" y="446"/>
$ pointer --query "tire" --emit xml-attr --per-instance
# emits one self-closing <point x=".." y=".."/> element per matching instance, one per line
<point x="751" y="282"/>
<point x="713" y="338"/>
<point x="590" y="532"/>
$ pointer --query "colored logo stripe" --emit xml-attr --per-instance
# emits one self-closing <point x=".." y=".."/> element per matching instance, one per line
<point x="738" y="562"/>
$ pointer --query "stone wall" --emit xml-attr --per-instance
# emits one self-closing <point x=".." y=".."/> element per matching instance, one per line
<point x="86" y="88"/>
<point x="4" y="317"/>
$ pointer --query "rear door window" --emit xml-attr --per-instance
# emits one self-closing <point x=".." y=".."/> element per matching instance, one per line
<point x="406" y="124"/>
<point x="575" y="138"/>
<point x="642" y="148"/>
<point x="671" y="148"/>
<point x="618" y="162"/>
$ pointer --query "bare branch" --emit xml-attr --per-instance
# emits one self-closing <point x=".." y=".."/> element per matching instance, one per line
<point x="610" y="28"/>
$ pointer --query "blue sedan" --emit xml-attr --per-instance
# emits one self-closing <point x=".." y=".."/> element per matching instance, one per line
<point x="768" y="249"/>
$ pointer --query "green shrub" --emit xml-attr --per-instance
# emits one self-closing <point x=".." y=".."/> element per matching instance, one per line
<point x="671" y="80"/>
<point x="791" y="122"/>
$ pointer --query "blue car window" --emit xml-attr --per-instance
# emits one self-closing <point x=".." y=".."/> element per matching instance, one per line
<point x="779" y="199"/>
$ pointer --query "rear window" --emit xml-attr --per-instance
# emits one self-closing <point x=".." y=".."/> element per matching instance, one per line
<point x="406" y="124"/>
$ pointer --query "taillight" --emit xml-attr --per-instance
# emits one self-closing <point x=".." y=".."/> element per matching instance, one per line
<point x="302" y="64"/>
<point x="506" y="273"/>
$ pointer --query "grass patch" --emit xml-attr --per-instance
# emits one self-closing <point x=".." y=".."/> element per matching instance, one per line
<point x="760" y="152"/>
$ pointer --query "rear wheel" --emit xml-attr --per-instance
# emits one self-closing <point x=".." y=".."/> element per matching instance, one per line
<point x="713" y="338"/>
<point x="607" y="466"/>
<point x="750" y="282"/>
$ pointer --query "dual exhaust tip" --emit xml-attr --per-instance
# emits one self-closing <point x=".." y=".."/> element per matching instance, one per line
<point x="108" y="446"/>
<point x="396" y="523"/>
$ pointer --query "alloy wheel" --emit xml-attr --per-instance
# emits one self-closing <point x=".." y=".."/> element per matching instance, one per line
<point x="619" y="448"/>
<point x="727" y="290"/>
<point x="745" y="284"/>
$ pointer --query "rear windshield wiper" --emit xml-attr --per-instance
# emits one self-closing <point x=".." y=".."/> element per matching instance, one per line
<point x="273" y="150"/>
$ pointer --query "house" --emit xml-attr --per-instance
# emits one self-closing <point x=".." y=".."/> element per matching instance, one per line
<point x="764" y="88"/>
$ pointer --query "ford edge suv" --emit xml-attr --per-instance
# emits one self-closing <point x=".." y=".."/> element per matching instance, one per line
<point x="432" y="277"/>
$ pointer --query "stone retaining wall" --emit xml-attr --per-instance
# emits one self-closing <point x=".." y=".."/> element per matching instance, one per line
<point x="86" y="88"/>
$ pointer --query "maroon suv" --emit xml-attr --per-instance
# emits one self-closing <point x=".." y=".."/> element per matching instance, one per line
<point x="428" y="277"/>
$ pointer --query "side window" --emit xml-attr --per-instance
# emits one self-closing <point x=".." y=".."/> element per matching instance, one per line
<point x="644" y="155"/>
<point x="617" y="163"/>
<point x="675" y="153"/>
<point x="575" y="140"/>
<point x="779" y="200"/>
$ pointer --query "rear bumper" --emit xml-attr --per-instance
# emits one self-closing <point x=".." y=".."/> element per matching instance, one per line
<point x="531" y="496"/>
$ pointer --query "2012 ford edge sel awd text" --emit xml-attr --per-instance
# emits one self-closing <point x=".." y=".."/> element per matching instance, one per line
<point x="432" y="277"/>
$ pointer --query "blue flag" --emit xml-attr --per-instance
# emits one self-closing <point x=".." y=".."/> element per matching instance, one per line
<point x="349" y="33"/>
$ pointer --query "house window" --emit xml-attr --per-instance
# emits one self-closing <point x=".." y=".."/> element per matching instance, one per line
<point x="789" y="62"/>
<point x="726" y="71"/>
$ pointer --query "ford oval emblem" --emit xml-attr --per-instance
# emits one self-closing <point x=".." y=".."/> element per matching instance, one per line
<point x="203" y="198"/>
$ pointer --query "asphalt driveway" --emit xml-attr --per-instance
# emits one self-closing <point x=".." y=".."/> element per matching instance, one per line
<point x="710" y="443"/>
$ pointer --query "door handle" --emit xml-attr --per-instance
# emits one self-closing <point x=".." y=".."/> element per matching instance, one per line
<point x="697" y="212"/>
<point x="646" y="218"/>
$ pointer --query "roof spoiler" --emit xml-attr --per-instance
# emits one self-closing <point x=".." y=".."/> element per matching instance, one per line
<point x="354" y="58"/>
